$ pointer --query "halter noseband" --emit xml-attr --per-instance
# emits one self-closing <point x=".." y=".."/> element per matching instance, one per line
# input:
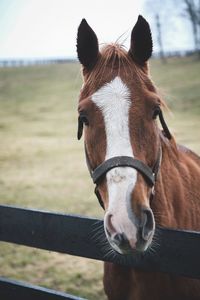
<point x="149" y="174"/>
<point x="100" y="171"/>
<point x="123" y="161"/>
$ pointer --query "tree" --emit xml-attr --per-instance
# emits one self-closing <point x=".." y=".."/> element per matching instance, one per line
<point x="192" y="11"/>
<point x="159" y="37"/>
<point x="158" y="13"/>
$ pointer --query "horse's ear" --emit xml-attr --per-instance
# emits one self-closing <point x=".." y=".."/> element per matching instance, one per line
<point x="87" y="45"/>
<point x="141" y="41"/>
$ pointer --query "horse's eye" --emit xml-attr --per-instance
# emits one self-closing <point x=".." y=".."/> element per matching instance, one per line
<point x="83" y="118"/>
<point x="156" y="112"/>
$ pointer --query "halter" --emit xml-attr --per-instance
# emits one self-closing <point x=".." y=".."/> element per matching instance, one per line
<point x="100" y="172"/>
<point x="149" y="174"/>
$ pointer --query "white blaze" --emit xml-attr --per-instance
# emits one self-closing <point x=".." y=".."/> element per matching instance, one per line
<point x="114" y="101"/>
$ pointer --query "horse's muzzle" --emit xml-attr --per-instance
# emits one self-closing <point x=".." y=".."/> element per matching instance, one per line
<point x="134" y="236"/>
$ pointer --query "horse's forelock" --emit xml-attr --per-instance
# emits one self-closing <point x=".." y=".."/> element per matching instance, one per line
<point x="114" y="60"/>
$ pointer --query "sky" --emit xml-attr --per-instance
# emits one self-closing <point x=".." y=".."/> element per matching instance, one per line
<point x="48" y="28"/>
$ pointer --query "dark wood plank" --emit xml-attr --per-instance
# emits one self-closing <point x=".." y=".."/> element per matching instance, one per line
<point x="12" y="289"/>
<point x="177" y="251"/>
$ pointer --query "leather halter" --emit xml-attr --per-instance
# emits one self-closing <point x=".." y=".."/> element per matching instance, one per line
<point x="149" y="174"/>
<point x="123" y="161"/>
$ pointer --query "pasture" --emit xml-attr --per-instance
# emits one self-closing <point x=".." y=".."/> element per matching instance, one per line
<point x="43" y="166"/>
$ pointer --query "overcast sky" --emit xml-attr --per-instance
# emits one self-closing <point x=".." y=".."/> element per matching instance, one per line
<point x="47" y="28"/>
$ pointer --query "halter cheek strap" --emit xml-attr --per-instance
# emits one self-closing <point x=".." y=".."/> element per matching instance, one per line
<point x="164" y="125"/>
<point x="98" y="195"/>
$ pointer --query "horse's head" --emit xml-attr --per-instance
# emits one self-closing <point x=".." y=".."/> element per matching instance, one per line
<point x="118" y="106"/>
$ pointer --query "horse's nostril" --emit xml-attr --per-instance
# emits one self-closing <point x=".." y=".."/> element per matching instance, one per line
<point x="120" y="239"/>
<point x="147" y="223"/>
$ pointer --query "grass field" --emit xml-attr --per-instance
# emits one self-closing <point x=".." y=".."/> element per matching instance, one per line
<point x="42" y="163"/>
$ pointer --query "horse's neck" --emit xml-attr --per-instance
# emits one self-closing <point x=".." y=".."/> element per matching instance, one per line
<point x="177" y="192"/>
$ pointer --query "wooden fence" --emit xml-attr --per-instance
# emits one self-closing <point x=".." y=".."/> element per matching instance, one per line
<point x="5" y="63"/>
<point x="177" y="252"/>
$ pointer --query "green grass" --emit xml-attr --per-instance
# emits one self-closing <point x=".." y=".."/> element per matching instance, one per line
<point x="42" y="163"/>
<point x="178" y="81"/>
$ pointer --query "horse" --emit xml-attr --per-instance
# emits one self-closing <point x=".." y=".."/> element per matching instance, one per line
<point x="143" y="177"/>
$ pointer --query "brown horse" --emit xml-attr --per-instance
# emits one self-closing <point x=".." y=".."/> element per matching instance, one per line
<point x="142" y="176"/>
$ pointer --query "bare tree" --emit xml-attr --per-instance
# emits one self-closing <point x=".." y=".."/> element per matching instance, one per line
<point x="158" y="12"/>
<point x="192" y="11"/>
<point x="159" y="37"/>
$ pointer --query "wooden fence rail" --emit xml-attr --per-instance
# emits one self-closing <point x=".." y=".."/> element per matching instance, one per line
<point x="176" y="251"/>
<point x="12" y="289"/>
